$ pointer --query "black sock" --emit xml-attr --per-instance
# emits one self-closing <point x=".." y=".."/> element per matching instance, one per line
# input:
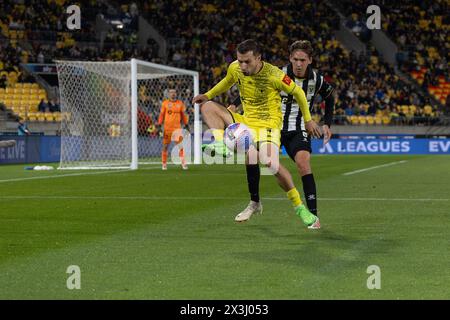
<point x="253" y="174"/>
<point x="309" y="188"/>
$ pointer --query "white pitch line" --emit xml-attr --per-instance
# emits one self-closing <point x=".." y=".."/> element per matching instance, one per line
<point x="197" y="198"/>
<point x="375" y="167"/>
<point x="68" y="175"/>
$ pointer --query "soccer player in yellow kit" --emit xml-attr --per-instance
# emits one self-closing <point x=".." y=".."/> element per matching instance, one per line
<point x="259" y="85"/>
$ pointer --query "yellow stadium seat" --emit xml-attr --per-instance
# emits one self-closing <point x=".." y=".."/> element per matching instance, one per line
<point x="49" y="116"/>
<point x="41" y="116"/>
<point x="386" y="120"/>
<point x="32" y="116"/>
<point x="370" y="120"/>
<point x="428" y="110"/>
<point x="26" y="85"/>
<point x="405" y="109"/>
<point x="362" y="119"/>
<point x="34" y="86"/>
<point x="354" y="119"/>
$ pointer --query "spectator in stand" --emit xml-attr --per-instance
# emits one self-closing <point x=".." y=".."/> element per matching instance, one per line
<point x="22" y="128"/>
<point x="43" y="106"/>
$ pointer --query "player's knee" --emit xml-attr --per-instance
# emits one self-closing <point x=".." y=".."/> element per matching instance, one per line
<point x="303" y="165"/>
<point x="209" y="107"/>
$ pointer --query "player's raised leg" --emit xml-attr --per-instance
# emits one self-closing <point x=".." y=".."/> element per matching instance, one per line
<point x="217" y="118"/>
<point x="269" y="156"/>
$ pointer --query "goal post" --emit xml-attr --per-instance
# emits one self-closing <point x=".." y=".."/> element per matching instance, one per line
<point x="109" y="111"/>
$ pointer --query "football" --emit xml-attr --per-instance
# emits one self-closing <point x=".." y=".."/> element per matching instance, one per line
<point x="238" y="137"/>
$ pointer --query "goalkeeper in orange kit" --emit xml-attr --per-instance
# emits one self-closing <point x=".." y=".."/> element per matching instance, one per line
<point x="173" y="113"/>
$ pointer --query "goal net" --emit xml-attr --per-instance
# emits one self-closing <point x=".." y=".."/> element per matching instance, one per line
<point x="110" y="110"/>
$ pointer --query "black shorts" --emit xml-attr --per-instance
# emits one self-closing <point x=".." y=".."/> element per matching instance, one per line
<point x="295" y="141"/>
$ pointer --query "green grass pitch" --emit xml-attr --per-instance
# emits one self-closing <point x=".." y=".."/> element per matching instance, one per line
<point x="149" y="234"/>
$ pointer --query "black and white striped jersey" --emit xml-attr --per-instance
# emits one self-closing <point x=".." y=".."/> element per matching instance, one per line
<point x="312" y="85"/>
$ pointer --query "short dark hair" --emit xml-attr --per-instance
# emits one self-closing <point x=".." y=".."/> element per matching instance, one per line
<point x="303" y="45"/>
<point x="249" y="45"/>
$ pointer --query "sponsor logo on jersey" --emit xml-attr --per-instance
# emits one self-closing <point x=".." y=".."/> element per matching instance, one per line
<point x="287" y="80"/>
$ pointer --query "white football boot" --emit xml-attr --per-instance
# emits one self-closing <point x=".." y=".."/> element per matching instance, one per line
<point x="252" y="208"/>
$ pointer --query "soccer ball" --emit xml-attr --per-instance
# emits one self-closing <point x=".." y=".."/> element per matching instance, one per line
<point x="238" y="137"/>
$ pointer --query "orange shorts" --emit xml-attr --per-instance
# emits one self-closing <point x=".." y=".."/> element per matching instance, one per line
<point x="174" y="135"/>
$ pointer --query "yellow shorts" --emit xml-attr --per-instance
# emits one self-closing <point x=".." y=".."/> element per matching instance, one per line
<point x="260" y="134"/>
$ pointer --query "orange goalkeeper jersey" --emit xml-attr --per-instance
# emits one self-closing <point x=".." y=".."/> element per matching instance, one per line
<point x="172" y="114"/>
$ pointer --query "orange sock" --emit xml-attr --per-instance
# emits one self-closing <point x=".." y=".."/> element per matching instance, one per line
<point x="164" y="157"/>
<point x="181" y="154"/>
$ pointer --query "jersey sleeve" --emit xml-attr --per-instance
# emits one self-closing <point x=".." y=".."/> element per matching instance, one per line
<point x="225" y="84"/>
<point x="284" y="83"/>
<point x="325" y="89"/>
<point x="162" y="113"/>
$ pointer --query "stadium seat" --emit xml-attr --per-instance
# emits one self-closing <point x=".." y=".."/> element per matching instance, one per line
<point x="41" y="116"/>
<point x="370" y="120"/>
<point x="48" y="116"/>
<point x="386" y="120"/>
<point x="362" y="119"/>
<point x="32" y="116"/>
<point x="354" y="120"/>
<point x="57" y="116"/>
<point x="405" y="109"/>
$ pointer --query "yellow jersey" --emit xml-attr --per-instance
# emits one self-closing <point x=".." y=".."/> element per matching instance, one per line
<point x="260" y="94"/>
